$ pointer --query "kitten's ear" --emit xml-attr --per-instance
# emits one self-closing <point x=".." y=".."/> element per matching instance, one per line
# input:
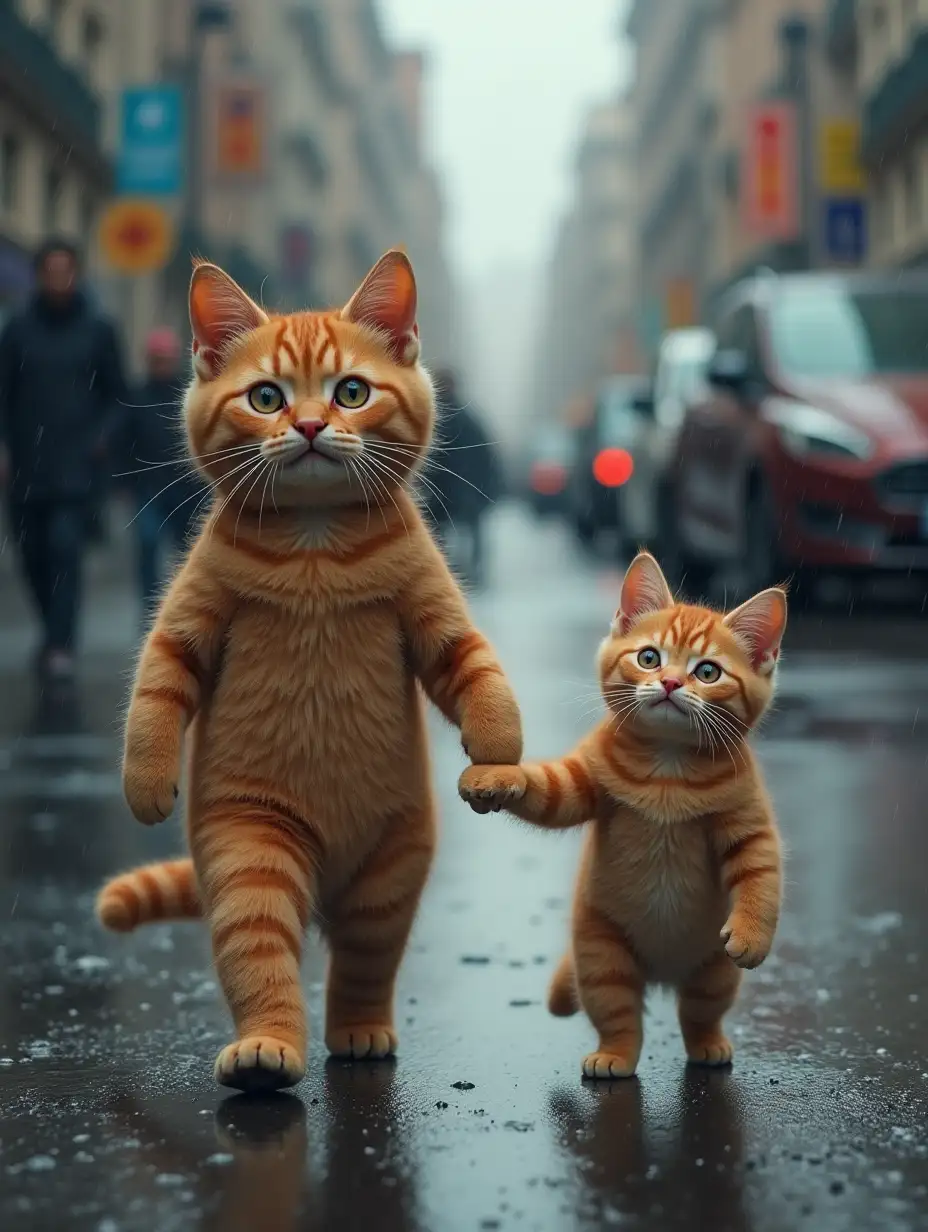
<point x="759" y="626"/>
<point x="220" y="312"/>
<point x="386" y="302"/>
<point x="644" y="590"/>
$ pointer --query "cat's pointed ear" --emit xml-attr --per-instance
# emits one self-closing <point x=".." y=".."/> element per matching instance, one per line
<point x="220" y="312"/>
<point x="759" y="625"/>
<point x="644" y="590"/>
<point x="386" y="301"/>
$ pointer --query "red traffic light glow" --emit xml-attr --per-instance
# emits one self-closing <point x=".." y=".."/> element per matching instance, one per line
<point x="613" y="467"/>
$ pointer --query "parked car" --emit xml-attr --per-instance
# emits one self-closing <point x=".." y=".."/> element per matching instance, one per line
<point x="809" y="453"/>
<point x="679" y="378"/>
<point x="603" y="460"/>
<point x="549" y="463"/>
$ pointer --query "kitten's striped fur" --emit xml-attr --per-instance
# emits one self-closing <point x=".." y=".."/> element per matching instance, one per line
<point x="289" y="653"/>
<point x="680" y="877"/>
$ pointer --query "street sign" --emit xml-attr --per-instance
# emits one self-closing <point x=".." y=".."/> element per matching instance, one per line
<point x="840" y="173"/>
<point x="137" y="237"/>
<point x="238" y="130"/>
<point x="846" y="230"/>
<point x="770" y="180"/>
<point x="151" y="153"/>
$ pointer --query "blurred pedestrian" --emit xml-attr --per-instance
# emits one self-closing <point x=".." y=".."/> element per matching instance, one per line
<point x="61" y="380"/>
<point x="463" y="479"/>
<point x="163" y="482"/>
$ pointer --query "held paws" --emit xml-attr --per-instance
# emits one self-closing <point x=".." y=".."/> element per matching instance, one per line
<point x="745" y="943"/>
<point x="491" y="788"/>
<point x="259" y="1063"/>
<point x="363" y="1042"/>
<point x="151" y="797"/>
<point x="605" y="1065"/>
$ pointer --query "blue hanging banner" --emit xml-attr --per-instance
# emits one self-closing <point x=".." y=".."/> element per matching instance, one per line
<point x="846" y="230"/>
<point x="151" y="152"/>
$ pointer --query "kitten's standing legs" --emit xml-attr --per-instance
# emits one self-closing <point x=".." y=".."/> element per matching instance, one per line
<point x="611" y="988"/>
<point x="368" y="927"/>
<point x="703" y="1002"/>
<point x="257" y="870"/>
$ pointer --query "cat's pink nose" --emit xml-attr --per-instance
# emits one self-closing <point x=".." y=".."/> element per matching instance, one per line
<point x="310" y="428"/>
<point x="671" y="683"/>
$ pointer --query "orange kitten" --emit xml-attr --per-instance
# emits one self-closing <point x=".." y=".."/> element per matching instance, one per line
<point x="680" y="875"/>
<point x="292" y="644"/>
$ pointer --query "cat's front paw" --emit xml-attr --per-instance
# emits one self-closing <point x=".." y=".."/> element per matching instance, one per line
<point x="747" y="943"/>
<point x="150" y="791"/>
<point x="491" y="788"/>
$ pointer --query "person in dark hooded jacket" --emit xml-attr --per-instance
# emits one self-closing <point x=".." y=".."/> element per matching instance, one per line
<point x="61" y="383"/>
<point x="462" y="478"/>
<point x="168" y="492"/>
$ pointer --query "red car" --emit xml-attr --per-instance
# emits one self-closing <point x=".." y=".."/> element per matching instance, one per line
<point x="809" y="452"/>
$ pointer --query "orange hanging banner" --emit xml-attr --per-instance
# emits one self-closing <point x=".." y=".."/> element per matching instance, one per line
<point x="770" y="172"/>
<point x="239" y="130"/>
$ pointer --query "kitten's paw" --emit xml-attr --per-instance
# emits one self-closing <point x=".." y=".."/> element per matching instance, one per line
<point x="609" y="1065"/>
<point x="259" y="1063"/>
<point x="491" y="788"/>
<point x="362" y="1042"/>
<point x="745" y="944"/>
<point x="715" y="1050"/>
<point x="150" y="795"/>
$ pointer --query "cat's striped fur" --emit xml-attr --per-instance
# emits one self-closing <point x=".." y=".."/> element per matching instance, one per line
<point x="680" y="877"/>
<point x="289" y="653"/>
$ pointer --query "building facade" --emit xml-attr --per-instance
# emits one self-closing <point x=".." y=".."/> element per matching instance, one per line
<point x="340" y="172"/>
<point x="887" y="42"/>
<point x="588" y="325"/>
<point x="701" y="67"/>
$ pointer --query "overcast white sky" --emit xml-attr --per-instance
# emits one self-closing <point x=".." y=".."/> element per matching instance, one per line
<point x="509" y="83"/>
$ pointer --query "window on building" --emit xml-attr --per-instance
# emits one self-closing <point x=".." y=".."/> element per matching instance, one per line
<point x="55" y="16"/>
<point x="92" y="38"/>
<point x="9" y="171"/>
<point x="52" y="202"/>
<point x="912" y="193"/>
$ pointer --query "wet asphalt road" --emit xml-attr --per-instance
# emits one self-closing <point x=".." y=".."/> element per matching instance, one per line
<point x="110" y="1119"/>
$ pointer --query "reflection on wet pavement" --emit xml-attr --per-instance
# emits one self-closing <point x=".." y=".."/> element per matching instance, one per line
<point x="111" y="1119"/>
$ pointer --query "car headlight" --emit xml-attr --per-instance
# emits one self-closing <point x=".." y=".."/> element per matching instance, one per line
<point x="808" y="431"/>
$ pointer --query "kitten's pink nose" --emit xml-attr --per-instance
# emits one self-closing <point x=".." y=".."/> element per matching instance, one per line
<point x="671" y="683"/>
<point x="310" y="428"/>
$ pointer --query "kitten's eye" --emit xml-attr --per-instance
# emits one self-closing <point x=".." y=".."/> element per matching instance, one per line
<point x="266" y="398"/>
<point x="707" y="671"/>
<point x="649" y="658"/>
<point x="351" y="393"/>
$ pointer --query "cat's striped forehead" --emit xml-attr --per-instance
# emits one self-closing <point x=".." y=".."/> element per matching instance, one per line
<point x="307" y="344"/>
<point x="684" y="626"/>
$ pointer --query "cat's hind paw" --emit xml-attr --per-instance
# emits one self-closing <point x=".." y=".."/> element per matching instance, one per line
<point x="605" y="1065"/>
<point x="714" y="1051"/>
<point x="259" y="1063"/>
<point x="363" y="1042"/>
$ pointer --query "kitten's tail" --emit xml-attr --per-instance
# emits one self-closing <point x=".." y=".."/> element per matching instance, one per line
<point x="166" y="891"/>
<point x="562" y="994"/>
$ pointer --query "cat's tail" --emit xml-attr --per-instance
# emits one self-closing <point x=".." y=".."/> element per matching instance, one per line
<point x="166" y="891"/>
<point x="562" y="994"/>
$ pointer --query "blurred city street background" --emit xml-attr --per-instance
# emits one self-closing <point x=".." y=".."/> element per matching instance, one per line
<point x="672" y="259"/>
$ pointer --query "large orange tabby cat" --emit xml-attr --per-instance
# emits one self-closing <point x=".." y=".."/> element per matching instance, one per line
<point x="291" y="647"/>
<point x="680" y="875"/>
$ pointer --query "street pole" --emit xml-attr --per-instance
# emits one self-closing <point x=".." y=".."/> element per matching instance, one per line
<point x="794" y="35"/>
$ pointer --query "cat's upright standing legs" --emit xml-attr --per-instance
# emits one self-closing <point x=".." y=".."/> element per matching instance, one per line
<point x="258" y="869"/>
<point x="367" y="929"/>
<point x="703" y="1002"/>
<point x="611" y="989"/>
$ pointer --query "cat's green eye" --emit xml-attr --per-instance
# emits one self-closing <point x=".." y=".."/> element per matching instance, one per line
<point x="266" y="398"/>
<point x="707" y="671"/>
<point x="351" y="393"/>
<point x="649" y="658"/>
